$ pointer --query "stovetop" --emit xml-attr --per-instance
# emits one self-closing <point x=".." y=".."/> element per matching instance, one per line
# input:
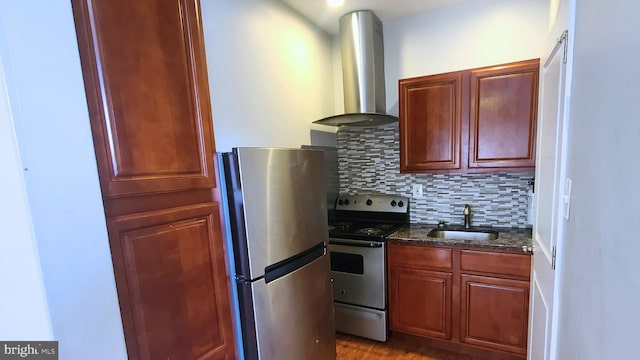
<point x="361" y="230"/>
<point x="368" y="217"/>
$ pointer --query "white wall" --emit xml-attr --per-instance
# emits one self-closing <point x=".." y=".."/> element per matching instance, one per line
<point x="23" y="304"/>
<point x="44" y="80"/>
<point x="270" y="73"/>
<point x="599" y="311"/>
<point x="462" y="36"/>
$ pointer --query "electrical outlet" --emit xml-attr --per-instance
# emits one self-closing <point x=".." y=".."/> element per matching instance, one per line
<point x="417" y="190"/>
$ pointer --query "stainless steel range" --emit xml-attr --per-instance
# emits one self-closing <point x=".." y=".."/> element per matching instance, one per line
<point x="358" y="252"/>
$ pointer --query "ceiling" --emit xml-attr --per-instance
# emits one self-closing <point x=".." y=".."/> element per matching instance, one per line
<point x="327" y="18"/>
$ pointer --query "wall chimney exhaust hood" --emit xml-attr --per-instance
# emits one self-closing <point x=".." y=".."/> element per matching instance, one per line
<point x="362" y="71"/>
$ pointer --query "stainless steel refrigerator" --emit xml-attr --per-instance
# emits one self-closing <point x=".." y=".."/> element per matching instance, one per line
<point x="278" y="222"/>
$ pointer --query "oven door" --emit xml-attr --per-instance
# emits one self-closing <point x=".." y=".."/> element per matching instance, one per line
<point x="358" y="268"/>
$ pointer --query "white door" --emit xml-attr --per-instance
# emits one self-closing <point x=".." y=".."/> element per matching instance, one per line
<point x="549" y="183"/>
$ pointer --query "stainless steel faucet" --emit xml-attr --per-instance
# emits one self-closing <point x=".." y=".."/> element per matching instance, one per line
<point x="467" y="216"/>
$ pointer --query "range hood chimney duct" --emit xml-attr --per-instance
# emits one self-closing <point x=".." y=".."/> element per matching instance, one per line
<point x="362" y="71"/>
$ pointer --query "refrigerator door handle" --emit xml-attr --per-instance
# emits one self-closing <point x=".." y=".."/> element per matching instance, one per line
<point x="278" y="270"/>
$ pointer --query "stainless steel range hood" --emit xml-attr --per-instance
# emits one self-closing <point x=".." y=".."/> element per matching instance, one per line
<point x="362" y="71"/>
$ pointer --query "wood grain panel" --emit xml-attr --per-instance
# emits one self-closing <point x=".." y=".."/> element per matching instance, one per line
<point x="144" y="70"/>
<point x="430" y="122"/>
<point x="518" y="265"/>
<point x="494" y="313"/>
<point x="173" y="298"/>
<point x="503" y="113"/>
<point x="420" y="302"/>
<point x="150" y="202"/>
<point x="420" y="256"/>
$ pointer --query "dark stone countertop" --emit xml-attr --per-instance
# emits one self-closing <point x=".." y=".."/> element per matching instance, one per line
<point x="508" y="238"/>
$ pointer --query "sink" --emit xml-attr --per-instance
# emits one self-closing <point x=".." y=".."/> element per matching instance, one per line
<point x="464" y="234"/>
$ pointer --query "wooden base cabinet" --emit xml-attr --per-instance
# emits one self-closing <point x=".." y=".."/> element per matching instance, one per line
<point x="467" y="299"/>
<point x="420" y="289"/>
<point x="420" y="302"/>
<point x="494" y="313"/>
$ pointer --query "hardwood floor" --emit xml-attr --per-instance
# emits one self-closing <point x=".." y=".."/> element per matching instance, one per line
<point x="398" y="347"/>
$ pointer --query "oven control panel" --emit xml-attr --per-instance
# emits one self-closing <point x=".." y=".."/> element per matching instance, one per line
<point x="376" y="203"/>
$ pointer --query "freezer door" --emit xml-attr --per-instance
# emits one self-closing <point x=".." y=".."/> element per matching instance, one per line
<point x="283" y="201"/>
<point x="294" y="316"/>
<point x="332" y="183"/>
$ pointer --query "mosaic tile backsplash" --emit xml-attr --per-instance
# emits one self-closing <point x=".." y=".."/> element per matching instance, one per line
<point x="369" y="163"/>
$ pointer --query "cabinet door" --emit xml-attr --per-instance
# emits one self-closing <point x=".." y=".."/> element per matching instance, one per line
<point x="171" y="283"/>
<point x="148" y="95"/>
<point x="430" y="122"/>
<point x="420" y="302"/>
<point x="494" y="313"/>
<point x="502" y="120"/>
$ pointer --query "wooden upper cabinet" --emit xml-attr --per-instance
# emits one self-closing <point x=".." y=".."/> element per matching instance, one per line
<point x="430" y="122"/>
<point x="470" y="121"/>
<point x="502" y="121"/>
<point x="147" y="93"/>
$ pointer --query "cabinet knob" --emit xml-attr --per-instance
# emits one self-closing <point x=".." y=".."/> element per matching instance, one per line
<point x="527" y="249"/>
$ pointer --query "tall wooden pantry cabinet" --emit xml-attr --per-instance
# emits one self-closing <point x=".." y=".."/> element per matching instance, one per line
<point x="145" y="75"/>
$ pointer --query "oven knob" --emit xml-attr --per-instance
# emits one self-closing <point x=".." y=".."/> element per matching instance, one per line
<point x="369" y="202"/>
<point x="346" y="201"/>
<point x="393" y="203"/>
<point x="400" y="203"/>
<point x="340" y="202"/>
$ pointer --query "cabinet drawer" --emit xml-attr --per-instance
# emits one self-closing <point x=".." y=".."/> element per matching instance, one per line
<point x="496" y="263"/>
<point x="420" y="256"/>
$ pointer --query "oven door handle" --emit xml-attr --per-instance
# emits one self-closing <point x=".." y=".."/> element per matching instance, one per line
<point x="365" y="244"/>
